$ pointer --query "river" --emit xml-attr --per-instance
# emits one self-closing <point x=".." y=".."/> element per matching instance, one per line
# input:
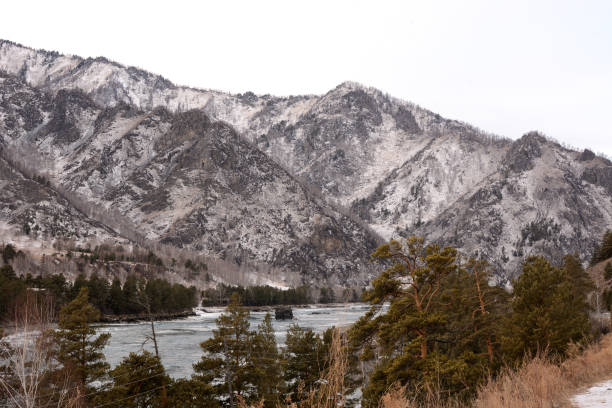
<point x="179" y="340"/>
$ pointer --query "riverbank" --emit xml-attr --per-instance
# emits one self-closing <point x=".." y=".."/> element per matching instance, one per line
<point x="270" y="308"/>
<point x="136" y="318"/>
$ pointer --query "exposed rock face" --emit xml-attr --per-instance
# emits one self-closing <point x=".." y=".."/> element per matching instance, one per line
<point x="32" y="208"/>
<point x="538" y="202"/>
<point x="283" y="313"/>
<point x="190" y="180"/>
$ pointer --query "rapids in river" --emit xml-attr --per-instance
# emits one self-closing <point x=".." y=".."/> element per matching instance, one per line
<point x="179" y="340"/>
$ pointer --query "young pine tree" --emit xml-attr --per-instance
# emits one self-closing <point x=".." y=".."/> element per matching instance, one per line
<point x="116" y="302"/>
<point x="137" y="382"/>
<point x="604" y="250"/>
<point x="305" y="358"/>
<point x="583" y="284"/>
<point x="79" y="349"/>
<point x="192" y="393"/>
<point x="227" y="362"/>
<point x="266" y="359"/>
<point x="548" y="312"/>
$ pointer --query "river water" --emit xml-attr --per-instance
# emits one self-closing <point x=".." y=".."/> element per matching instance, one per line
<point x="179" y="340"/>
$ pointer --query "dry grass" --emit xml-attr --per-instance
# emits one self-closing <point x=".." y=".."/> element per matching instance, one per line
<point x="540" y="383"/>
<point x="401" y="397"/>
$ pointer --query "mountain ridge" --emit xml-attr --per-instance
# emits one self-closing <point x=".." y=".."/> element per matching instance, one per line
<point x="398" y="166"/>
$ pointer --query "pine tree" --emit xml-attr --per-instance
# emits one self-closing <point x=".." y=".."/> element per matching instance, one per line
<point x="305" y="357"/>
<point x="578" y="277"/>
<point x="79" y="349"/>
<point x="8" y="253"/>
<point x="137" y="382"/>
<point x="604" y="250"/>
<point x="267" y="364"/>
<point x="98" y="292"/>
<point x="192" y="393"/>
<point x="131" y="295"/>
<point x="548" y="312"/>
<point x="438" y="330"/>
<point x="485" y="304"/>
<point x="227" y="362"/>
<point x="116" y="302"/>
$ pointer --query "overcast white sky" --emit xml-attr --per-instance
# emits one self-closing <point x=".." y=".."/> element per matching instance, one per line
<point x="506" y="67"/>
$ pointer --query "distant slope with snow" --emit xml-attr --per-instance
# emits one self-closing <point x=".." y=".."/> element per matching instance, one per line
<point x="401" y="168"/>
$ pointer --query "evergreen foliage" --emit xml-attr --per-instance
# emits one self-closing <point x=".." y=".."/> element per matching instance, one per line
<point x="11" y="289"/>
<point x="440" y="331"/>
<point x="227" y="363"/>
<point x="8" y="253"/>
<point x="192" y="393"/>
<point x="305" y="359"/>
<point x="327" y="295"/>
<point x="604" y="250"/>
<point x="266" y="362"/>
<point x="575" y="273"/>
<point x="79" y="349"/>
<point x="435" y="325"/>
<point x="137" y="382"/>
<point x="256" y="295"/>
<point x="548" y="311"/>
<point x="107" y="298"/>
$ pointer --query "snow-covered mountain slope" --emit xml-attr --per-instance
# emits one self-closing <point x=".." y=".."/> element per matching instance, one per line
<point x="185" y="180"/>
<point x="344" y="142"/>
<point x="401" y="168"/>
<point x="32" y="209"/>
<point x="543" y="199"/>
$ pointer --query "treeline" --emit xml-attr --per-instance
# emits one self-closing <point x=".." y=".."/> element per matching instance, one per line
<point x="256" y="295"/>
<point x="265" y="295"/>
<point x="137" y="295"/>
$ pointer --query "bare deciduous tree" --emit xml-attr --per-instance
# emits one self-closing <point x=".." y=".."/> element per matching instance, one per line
<point x="28" y="379"/>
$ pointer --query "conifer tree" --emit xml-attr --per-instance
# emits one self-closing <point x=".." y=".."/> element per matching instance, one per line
<point x="192" y="393"/>
<point x="227" y="362"/>
<point x="486" y="304"/>
<point x="437" y="333"/>
<point x="116" y="302"/>
<point x="548" y="311"/>
<point x="603" y="251"/>
<point x="79" y="349"/>
<point x="305" y="356"/>
<point x="137" y="382"/>
<point x="577" y="276"/>
<point x="98" y="291"/>
<point x="267" y="364"/>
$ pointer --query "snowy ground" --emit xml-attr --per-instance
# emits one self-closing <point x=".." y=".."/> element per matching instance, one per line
<point x="598" y="396"/>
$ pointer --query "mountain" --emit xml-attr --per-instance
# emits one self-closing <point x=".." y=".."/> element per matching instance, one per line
<point x="185" y="180"/>
<point x="399" y="168"/>
<point x="28" y="205"/>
